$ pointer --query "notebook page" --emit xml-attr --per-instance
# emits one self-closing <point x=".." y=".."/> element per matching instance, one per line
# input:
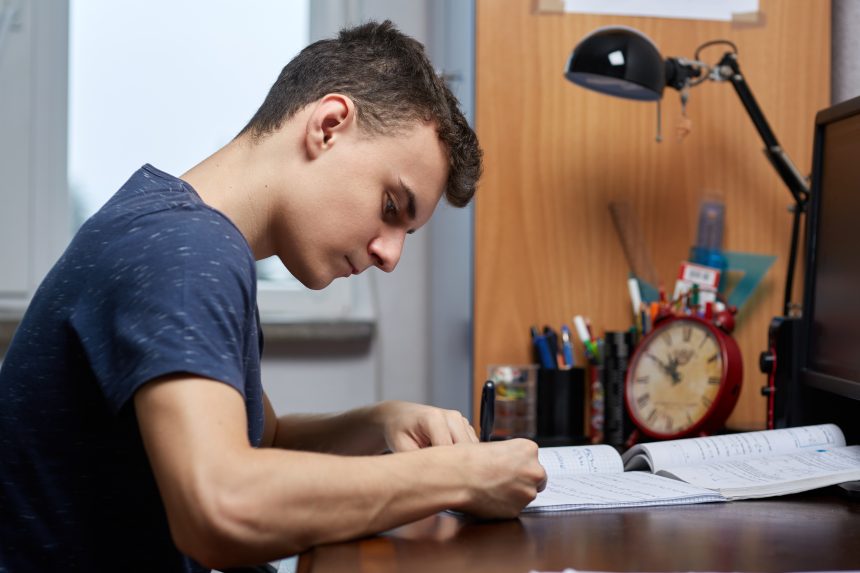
<point x="602" y="491"/>
<point x="776" y="474"/>
<point x="580" y="460"/>
<point x="693" y="451"/>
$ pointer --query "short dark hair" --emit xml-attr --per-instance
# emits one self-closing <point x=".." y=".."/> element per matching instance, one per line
<point x="393" y="84"/>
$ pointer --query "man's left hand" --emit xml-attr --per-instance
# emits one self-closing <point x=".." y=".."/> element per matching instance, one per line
<point x="408" y="426"/>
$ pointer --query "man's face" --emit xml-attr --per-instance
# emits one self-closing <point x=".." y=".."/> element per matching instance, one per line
<point x="365" y="194"/>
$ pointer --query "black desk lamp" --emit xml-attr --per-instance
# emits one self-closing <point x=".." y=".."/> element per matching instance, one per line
<point x="623" y="62"/>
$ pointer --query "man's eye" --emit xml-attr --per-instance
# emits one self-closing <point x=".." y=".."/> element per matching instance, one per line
<point x="390" y="206"/>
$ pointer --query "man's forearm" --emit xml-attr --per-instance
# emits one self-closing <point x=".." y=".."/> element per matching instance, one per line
<point x="288" y="501"/>
<point x="356" y="432"/>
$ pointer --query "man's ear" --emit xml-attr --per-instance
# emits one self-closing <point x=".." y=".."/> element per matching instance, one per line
<point x="333" y="116"/>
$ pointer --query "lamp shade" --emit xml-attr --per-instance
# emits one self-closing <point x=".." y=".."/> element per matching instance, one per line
<point x="618" y="61"/>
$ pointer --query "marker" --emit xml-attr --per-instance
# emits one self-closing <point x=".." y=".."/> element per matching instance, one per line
<point x="566" y="345"/>
<point x="581" y="329"/>
<point x="585" y="337"/>
<point x="635" y="296"/>
<point x="488" y="410"/>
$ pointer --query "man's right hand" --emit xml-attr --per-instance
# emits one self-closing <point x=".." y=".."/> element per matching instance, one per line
<point x="502" y="477"/>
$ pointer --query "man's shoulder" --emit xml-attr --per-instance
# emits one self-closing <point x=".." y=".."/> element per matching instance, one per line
<point x="157" y="232"/>
<point x="156" y="214"/>
<point x="155" y="196"/>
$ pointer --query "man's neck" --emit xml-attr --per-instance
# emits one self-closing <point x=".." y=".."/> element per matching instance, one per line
<point x="234" y="181"/>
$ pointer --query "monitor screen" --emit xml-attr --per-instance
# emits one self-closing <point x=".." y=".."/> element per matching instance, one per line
<point x="832" y="286"/>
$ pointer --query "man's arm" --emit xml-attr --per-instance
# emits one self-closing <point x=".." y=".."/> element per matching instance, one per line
<point x="391" y="425"/>
<point x="231" y="504"/>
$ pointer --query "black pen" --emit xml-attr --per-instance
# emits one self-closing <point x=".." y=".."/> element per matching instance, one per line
<point x="488" y="410"/>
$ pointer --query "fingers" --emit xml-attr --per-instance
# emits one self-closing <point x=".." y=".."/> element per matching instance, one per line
<point x="439" y="432"/>
<point x="404" y="443"/>
<point x="532" y="469"/>
<point x="413" y="426"/>
<point x="470" y="431"/>
<point x="542" y="484"/>
<point x="460" y="429"/>
<point x="447" y="427"/>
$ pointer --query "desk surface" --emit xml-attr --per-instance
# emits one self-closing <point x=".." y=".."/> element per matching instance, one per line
<point x="810" y="532"/>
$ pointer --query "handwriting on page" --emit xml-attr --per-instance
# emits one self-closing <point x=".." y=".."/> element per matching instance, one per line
<point x="580" y="460"/>
<point x="806" y="464"/>
<point x="739" y="446"/>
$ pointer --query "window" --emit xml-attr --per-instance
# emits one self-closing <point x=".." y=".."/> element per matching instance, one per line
<point x="168" y="83"/>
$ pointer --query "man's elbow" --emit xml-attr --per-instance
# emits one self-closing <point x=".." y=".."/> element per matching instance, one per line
<point x="226" y="531"/>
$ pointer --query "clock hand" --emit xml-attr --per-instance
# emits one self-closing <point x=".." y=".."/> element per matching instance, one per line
<point x="671" y="369"/>
<point x="663" y="367"/>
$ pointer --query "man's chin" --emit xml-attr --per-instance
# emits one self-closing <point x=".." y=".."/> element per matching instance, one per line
<point x="309" y="279"/>
<point x="317" y="283"/>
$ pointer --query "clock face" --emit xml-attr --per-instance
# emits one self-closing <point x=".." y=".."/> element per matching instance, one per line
<point x="675" y="377"/>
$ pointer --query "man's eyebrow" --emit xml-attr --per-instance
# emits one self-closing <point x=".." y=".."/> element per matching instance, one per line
<point x="410" y="202"/>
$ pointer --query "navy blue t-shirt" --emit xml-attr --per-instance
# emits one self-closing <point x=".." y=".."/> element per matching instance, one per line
<point x="154" y="283"/>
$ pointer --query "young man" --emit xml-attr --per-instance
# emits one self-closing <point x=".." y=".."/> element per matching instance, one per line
<point x="134" y="433"/>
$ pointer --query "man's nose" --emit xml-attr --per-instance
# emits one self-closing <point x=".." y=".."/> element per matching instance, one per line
<point x="386" y="249"/>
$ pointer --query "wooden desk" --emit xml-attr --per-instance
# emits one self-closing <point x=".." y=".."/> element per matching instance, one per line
<point x="816" y="531"/>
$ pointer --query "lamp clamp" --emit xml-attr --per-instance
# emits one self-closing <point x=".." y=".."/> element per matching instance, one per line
<point x="680" y="72"/>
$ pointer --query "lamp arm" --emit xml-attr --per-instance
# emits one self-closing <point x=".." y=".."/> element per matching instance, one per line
<point x="728" y="69"/>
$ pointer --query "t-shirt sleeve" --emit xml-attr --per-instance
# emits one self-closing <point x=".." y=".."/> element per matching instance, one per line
<point x="174" y="293"/>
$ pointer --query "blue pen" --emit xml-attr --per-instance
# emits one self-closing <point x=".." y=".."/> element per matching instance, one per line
<point x="552" y="341"/>
<point x="544" y="352"/>
<point x="566" y="345"/>
<point x="544" y="355"/>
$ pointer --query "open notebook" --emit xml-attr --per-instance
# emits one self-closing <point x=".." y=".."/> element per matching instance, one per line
<point x="696" y="470"/>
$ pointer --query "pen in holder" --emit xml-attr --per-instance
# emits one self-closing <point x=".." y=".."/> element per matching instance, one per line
<point x="561" y="404"/>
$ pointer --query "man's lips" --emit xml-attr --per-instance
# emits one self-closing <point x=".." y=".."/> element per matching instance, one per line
<point x="352" y="268"/>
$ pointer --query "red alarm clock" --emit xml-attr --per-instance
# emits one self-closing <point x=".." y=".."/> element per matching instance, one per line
<point x="684" y="377"/>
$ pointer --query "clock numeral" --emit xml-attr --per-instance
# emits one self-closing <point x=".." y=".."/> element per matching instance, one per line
<point x="706" y="401"/>
<point x="689" y="419"/>
<point x="643" y="400"/>
<point x="714" y="357"/>
<point x="669" y="424"/>
<point x="642" y="380"/>
<point x="668" y="338"/>
<point x="704" y="339"/>
<point x="688" y="333"/>
<point x="714" y="380"/>
<point x="651" y="417"/>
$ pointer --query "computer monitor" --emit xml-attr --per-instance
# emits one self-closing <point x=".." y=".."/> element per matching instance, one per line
<point x="829" y="338"/>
